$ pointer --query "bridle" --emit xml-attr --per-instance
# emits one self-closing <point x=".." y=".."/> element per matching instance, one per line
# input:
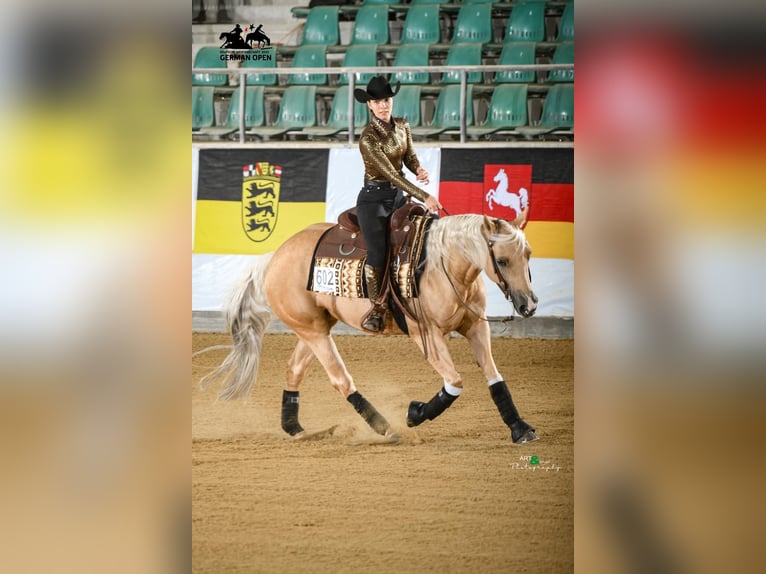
<point x="502" y="284"/>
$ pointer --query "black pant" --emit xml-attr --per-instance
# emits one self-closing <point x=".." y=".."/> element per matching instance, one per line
<point x="374" y="206"/>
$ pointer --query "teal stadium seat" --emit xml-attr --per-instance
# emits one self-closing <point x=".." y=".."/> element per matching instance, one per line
<point x="209" y="57"/>
<point x="558" y="109"/>
<point x="473" y="24"/>
<point x="203" y="112"/>
<point x="420" y="2"/>
<point x="312" y="56"/>
<point x="261" y="79"/>
<point x="254" y="115"/>
<point x="507" y="110"/>
<point x="566" y="27"/>
<point x="338" y="120"/>
<point x="464" y="54"/>
<point x="359" y="55"/>
<point x="516" y="53"/>
<point x="321" y="26"/>
<point x="564" y="54"/>
<point x="558" y="112"/>
<point x="422" y="25"/>
<point x="526" y="23"/>
<point x="297" y="111"/>
<point x="447" y="113"/>
<point x="411" y="55"/>
<point x="407" y="104"/>
<point x="373" y="2"/>
<point x="478" y="1"/>
<point x="371" y="25"/>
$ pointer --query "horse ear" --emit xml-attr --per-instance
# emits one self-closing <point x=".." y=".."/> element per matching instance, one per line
<point x="487" y="225"/>
<point x="521" y="218"/>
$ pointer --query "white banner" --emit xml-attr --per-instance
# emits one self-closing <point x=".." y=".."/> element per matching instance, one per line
<point x="345" y="177"/>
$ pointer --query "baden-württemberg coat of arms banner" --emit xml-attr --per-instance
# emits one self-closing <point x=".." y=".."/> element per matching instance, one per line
<point x="260" y="199"/>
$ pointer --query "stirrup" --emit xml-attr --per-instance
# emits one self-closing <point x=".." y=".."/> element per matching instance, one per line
<point x="375" y="320"/>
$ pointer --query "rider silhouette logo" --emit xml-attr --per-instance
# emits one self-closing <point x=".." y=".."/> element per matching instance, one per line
<point x="260" y="199"/>
<point x="254" y="38"/>
<point x="506" y="190"/>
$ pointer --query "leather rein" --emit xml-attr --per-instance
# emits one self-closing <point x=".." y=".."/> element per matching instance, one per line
<point x="502" y="284"/>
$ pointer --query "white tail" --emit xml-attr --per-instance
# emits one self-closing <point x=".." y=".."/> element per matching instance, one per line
<point x="247" y="316"/>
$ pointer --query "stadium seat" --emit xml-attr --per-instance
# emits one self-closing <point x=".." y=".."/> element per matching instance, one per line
<point x="564" y="54"/>
<point x="209" y="57"/>
<point x="422" y="25"/>
<point x="407" y="104"/>
<point x="309" y="57"/>
<point x="507" y="110"/>
<point x="558" y="112"/>
<point x="516" y="53"/>
<point x="371" y="25"/>
<point x="338" y="120"/>
<point x="411" y="55"/>
<point x="447" y="113"/>
<point x="566" y="27"/>
<point x="478" y="1"/>
<point x="464" y="54"/>
<point x="297" y="111"/>
<point x="419" y="2"/>
<point x="261" y="79"/>
<point x="254" y="115"/>
<point x="359" y="55"/>
<point x="473" y="24"/>
<point x="321" y="26"/>
<point x="526" y="23"/>
<point x="369" y="2"/>
<point x="203" y="112"/>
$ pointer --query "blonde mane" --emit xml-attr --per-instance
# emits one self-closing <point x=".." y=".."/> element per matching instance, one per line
<point x="462" y="236"/>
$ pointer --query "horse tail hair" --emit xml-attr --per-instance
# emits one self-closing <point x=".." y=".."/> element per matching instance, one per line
<point x="247" y="314"/>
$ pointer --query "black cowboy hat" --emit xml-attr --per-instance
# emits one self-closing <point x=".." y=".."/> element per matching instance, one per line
<point x="377" y="89"/>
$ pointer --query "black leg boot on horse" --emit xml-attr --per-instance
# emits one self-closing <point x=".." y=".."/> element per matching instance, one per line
<point x="521" y="431"/>
<point x="290" y="404"/>
<point x="375" y="320"/>
<point x="372" y="417"/>
<point x="418" y="412"/>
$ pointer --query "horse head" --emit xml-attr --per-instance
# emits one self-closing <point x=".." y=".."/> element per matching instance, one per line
<point x="507" y="263"/>
<point x="500" y="175"/>
<point x="223" y="36"/>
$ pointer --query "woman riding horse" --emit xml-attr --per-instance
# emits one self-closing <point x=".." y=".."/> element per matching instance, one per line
<point x="385" y="144"/>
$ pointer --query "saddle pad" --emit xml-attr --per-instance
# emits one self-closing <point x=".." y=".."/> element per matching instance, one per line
<point x="337" y="267"/>
<point x="339" y="277"/>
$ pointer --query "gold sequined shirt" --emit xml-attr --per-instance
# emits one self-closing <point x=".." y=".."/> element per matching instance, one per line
<point x="385" y="151"/>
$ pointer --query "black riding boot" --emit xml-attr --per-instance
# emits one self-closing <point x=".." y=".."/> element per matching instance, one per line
<point x="375" y="320"/>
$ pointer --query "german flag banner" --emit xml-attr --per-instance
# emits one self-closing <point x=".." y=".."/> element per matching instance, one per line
<point x="249" y="201"/>
<point x="501" y="182"/>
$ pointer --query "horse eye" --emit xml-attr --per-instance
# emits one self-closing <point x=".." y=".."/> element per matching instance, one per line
<point x="502" y="262"/>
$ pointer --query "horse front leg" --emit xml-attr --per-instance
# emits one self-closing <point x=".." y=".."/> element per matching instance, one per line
<point x="439" y="358"/>
<point x="480" y="339"/>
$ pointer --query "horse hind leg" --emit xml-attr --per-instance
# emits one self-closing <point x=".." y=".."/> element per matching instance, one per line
<point x="325" y="350"/>
<point x="296" y="371"/>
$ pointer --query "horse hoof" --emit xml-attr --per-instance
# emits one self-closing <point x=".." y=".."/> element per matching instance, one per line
<point x="528" y="436"/>
<point x="393" y="437"/>
<point x="522" y="432"/>
<point x="415" y="413"/>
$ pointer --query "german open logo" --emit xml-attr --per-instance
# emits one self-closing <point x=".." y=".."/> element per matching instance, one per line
<point x="250" y="48"/>
<point x="260" y="199"/>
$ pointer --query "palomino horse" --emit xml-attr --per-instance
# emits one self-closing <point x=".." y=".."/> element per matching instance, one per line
<point x="451" y="298"/>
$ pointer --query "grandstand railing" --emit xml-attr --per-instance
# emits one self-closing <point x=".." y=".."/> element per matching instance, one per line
<point x="351" y="71"/>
